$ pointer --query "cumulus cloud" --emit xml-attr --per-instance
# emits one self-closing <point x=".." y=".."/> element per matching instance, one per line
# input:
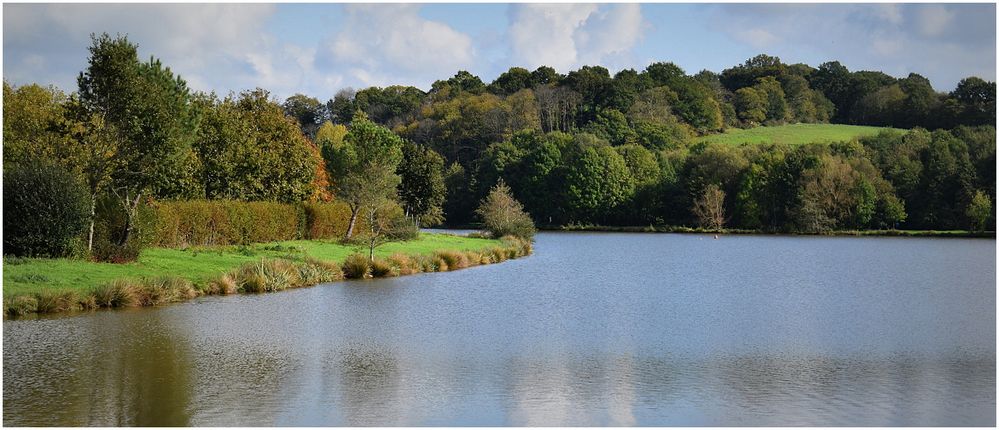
<point x="565" y="36"/>
<point x="377" y="42"/>
<point x="940" y="41"/>
<point x="207" y="44"/>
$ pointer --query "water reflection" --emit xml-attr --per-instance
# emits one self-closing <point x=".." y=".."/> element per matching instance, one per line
<point x="660" y="336"/>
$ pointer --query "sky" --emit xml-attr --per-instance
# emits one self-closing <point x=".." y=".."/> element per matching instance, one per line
<point x="318" y="49"/>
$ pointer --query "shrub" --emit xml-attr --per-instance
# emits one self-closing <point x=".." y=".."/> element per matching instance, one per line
<point x="503" y="215"/>
<point x="109" y="231"/>
<point x="46" y="210"/>
<point x="356" y="266"/>
<point x="328" y="220"/>
<point x="223" y="222"/>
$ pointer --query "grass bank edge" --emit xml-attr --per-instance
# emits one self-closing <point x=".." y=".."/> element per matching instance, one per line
<point x="698" y="230"/>
<point x="261" y="275"/>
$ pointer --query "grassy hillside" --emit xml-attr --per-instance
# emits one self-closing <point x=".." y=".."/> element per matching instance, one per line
<point x="24" y="276"/>
<point x="794" y="134"/>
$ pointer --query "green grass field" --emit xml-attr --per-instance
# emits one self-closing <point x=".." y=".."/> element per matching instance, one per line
<point x="794" y="134"/>
<point x="24" y="276"/>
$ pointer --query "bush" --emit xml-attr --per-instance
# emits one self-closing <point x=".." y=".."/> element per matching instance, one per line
<point x="109" y="231"/>
<point x="502" y="215"/>
<point x="223" y="222"/>
<point x="46" y="210"/>
<point x="328" y="220"/>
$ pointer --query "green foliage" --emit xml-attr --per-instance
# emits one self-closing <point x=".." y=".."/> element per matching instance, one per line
<point x="422" y="190"/>
<point x="597" y="180"/>
<point x="363" y="167"/>
<point x="33" y="123"/>
<point x="980" y="211"/>
<point x="503" y="215"/>
<point x="46" y="210"/>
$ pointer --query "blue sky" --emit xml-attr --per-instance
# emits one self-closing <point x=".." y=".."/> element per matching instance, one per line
<point x="318" y="49"/>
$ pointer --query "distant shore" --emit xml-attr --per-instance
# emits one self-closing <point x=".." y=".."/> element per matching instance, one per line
<point x="697" y="230"/>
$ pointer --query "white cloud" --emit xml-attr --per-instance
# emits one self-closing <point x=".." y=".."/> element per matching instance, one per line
<point x="208" y="44"/>
<point x="898" y="39"/>
<point x="378" y="41"/>
<point x="934" y="19"/>
<point x="758" y="37"/>
<point x="565" y="36"/>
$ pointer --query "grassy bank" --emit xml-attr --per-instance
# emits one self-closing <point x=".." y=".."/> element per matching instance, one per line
<point x="168" y="275"/>
<point x="681" y="229"/>
<point x="793" y="134"/>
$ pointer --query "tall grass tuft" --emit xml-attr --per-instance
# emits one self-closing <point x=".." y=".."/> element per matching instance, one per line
<point x="314" y="272"/>
<point x="56" y="301"/>
<point x="224" y="284"/>
<point x="453" y="260"/>
<point x="164" y="289"/>
<point x="20" y="305"/>
<point x="268" y="275"/>
<point x="116" y="294"/>
<point x="382" y="269"/>
<point x="356" y="266"/>
<point x="404" y="264"/>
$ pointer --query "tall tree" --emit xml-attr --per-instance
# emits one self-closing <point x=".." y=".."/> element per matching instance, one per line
<point x="150" y="118"/>
<point x="422" y="190"/>
<point x="363" y="167"/>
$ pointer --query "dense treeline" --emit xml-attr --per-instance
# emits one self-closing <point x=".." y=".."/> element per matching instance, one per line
<point x="584" y="147"/>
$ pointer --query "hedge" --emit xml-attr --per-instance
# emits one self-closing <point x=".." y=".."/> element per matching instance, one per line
<point x="224" y="222"/>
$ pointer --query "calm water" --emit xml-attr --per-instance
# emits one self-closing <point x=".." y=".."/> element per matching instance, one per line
<point x="593" y="329"/>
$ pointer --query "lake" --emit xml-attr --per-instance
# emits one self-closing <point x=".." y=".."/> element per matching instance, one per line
<point x="593" y="329"/>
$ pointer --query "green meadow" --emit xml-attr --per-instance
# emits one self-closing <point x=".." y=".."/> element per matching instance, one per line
<point x="793" y="134"/>
<point x="198" y="265"/>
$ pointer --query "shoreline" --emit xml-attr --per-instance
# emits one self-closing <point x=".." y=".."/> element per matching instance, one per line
<point x="260" y="275"/>
<point x="735" y="231"/>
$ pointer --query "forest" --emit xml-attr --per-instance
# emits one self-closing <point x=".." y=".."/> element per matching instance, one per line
<point x="581" y="148"/>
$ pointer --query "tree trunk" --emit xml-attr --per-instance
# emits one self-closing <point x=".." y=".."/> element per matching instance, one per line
<point x="93" y="219"/>
<point x="131" y="208"/>
<point x="353" y="220"/>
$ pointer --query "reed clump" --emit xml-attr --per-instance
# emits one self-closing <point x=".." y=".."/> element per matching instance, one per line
<point x="382" y="269"/>
<point x="356" y="266"/>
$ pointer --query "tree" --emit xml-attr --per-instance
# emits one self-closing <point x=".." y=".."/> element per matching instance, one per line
<point x="363" y="167"/>
<point x="511" y="81"/>
<point x="386" y="223"/>
<point x="979" y="211"/>
<point x="503" y="215"/>
<point x="977" y="99"/>
<point x="270" y="159"/>
<point x="597" y="180"/>
<point x="750" y="106"/>
<point x="150" y="115"/>
<point x="422" y="188"/>
<point x="709" y="208"/>
<point x="308" y="111"/>
<point x="773" y="97"/>
<point x="33" y="122"/>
